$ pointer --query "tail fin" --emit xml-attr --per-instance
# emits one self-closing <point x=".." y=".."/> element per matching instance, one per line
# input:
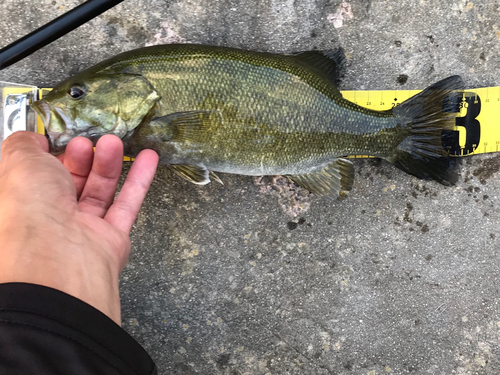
<point x="426" y="115"/>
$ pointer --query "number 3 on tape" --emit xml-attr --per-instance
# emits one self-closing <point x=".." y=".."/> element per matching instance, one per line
<point x="464" y="140"/>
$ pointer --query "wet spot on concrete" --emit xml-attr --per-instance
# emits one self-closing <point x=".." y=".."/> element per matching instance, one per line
<point x="380" y="167"/>
<point x="223" y="361"/>
<point x="469" y="189"/>
<point x="396" y="19"/>
<point x="424" y="190"/>
<point x="111" y="31"/>
<point x="402" y="79"/>
<point x="348" y="365"/>
<point x="369" y="176"/>
<point x="410" y="368"/>
<point x="137" y="34"/>
<point x="488" y="168"/>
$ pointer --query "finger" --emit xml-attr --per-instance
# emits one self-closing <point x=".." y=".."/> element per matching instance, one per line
<point x="100" y="188"/>
<point x="124" y="210"/>
<point x="78" y="159"/>
<point x="25" y="143"/>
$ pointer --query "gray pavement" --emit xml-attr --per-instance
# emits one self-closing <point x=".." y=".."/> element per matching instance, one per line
<point x="258" y="277"/>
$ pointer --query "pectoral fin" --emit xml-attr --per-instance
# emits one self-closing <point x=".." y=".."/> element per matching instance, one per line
<point x="330" y="180"/>
<point x="195" y="174"/>
<point x="186" y="126"/>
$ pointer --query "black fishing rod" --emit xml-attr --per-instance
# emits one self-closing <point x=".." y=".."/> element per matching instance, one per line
<point x="53" y="30"/>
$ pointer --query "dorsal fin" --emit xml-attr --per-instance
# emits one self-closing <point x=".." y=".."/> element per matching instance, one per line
<point x="331" y="63"/>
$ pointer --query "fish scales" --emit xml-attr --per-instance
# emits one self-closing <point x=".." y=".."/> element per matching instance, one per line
<point x="270" y="109"/>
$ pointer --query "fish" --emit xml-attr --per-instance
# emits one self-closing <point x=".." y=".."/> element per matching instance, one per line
<point x="208" y="109"/>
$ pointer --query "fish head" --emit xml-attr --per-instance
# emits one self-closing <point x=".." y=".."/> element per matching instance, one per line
<point x="95" y="105"/>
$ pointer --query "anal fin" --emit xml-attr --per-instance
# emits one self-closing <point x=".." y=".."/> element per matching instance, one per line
<point x="330" y="180"/>
<point x="214" y="177"/>
<point x="195" y="174"/>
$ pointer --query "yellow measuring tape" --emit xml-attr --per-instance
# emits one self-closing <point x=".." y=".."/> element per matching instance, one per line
<point x="477" y="129"/>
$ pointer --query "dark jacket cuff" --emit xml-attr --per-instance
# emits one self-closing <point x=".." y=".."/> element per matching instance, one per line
<point x="43" y="330"/>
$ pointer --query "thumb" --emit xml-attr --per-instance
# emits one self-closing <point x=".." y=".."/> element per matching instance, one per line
<point x="23" y="142"/>
<point x="26" y="163"/>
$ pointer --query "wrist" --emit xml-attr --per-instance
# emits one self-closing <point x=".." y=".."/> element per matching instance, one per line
<point x="63" y="259"/>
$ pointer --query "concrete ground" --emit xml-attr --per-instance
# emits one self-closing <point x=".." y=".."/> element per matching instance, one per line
<point x="258" y="277"/>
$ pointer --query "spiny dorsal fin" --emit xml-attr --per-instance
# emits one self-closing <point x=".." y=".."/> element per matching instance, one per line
<point x="330" y="180"/>
<point x="186" y="126"/>
<point x="331" y="63"/>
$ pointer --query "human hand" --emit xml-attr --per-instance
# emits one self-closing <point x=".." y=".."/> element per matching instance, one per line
<point x="59" y="226"/>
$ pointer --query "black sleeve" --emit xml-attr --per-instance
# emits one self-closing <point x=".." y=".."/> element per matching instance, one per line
<point x="45" y="331"/>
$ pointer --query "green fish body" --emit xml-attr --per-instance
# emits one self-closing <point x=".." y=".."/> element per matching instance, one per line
<point x="210" y="109"/>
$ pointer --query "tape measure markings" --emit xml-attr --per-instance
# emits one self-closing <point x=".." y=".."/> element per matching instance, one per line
<point x="477" y="127"/>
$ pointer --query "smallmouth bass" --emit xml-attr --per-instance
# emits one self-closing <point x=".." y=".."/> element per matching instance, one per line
<point x="210" y="109"/>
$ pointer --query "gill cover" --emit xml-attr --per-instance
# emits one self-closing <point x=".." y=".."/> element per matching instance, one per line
<point x="92" y="106"/>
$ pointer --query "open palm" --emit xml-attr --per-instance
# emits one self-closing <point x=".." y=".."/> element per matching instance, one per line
<point x="60" y="224"/>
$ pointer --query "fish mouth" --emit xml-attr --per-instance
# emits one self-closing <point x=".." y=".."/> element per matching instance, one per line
<point x="43" y="110"/>
<point x="56" y="125"/>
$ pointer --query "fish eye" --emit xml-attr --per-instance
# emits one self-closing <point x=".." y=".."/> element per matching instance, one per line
<point x="76" y="92"/>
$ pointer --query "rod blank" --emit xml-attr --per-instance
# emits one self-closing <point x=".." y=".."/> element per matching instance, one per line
<point x="53" y="30"/>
